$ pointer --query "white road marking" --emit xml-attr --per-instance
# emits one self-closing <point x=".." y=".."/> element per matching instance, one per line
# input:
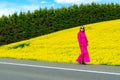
<point x="59" y="68"/>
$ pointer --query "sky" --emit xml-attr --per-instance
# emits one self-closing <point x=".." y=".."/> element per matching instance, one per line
<point x="11" y="6"/>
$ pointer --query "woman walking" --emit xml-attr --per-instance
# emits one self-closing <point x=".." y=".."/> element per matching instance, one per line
<point x="83" y="43"/>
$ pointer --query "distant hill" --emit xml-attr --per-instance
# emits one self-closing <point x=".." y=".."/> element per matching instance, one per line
<point x="23" y="26"/>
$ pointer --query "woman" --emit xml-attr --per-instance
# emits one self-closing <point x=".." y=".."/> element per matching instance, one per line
<point x="83" y="43"/>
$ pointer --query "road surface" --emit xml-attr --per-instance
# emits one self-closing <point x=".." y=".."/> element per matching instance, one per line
<point x="12" y="69"/>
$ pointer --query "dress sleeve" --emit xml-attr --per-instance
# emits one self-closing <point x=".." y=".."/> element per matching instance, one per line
<point x="78" y="37"/>
<point x="86" y="40"/>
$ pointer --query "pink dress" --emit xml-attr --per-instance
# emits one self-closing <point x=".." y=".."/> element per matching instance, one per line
<point x="83" y="43"/>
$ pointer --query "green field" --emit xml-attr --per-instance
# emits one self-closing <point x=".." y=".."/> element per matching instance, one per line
<point x="62" y="46"/>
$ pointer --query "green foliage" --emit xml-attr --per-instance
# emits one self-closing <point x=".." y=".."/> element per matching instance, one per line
<point x="22" y="45"/>
<point x="17" y="27"/>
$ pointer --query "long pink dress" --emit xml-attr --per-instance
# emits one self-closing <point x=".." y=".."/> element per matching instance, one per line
<point x="83" y="43"/>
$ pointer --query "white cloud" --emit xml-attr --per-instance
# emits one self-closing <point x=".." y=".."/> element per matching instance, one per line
<point x="33" y="0"/>
<point x="44" y="2"/>
<point x="29" y="7"/>
<point x="6" y="10"/>
<point x="10" y="8"/>
<point x="75" y="1"/>
<point x="38" y="1"/>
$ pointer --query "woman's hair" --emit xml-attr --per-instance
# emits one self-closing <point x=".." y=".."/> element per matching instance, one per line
<point x="82" y="27"/>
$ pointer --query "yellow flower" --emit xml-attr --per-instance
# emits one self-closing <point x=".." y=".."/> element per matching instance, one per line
<point x="62" y="46"/>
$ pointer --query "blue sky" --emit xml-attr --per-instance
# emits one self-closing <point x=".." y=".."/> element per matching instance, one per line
<point x="10" y="6"/>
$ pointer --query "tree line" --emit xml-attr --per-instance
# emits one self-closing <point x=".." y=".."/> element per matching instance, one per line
<point x="25" y="25"/>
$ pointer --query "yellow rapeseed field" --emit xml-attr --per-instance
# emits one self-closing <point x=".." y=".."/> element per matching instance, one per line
<point x="62" y="46"/>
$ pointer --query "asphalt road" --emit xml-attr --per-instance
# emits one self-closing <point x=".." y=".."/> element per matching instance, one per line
<point x="12" y="69"/>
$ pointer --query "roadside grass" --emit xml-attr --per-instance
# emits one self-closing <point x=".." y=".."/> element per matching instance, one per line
<point x="62" y="46"/>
